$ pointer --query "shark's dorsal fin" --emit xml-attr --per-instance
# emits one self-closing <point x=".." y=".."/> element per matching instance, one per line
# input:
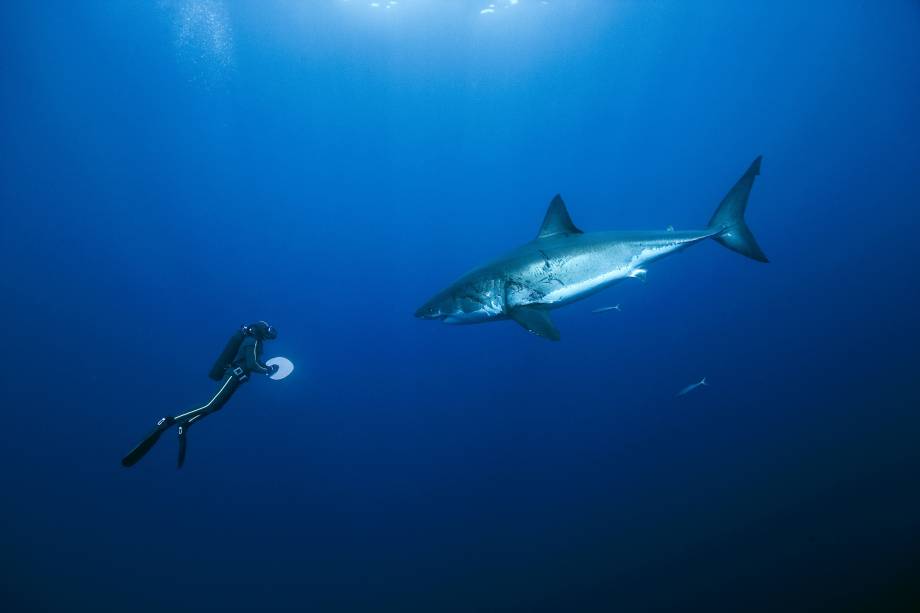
<point x="557" y="220"/>
<point x="535" y="320"/>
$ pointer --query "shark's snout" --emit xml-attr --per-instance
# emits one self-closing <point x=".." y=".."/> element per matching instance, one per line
<point x="428" y="311"/>
<point x="464" y="302"/>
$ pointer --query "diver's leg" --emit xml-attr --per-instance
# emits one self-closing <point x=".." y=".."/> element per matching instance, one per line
<point x="226" y="389"/>
<point x="183" y="435"/>
<point x="228" y="386"/>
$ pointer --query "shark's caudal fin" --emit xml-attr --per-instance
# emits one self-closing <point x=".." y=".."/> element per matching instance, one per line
<point x="729" y="217"/>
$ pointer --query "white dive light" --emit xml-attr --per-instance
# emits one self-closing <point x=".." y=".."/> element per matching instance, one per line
<point x="285" y="367"/>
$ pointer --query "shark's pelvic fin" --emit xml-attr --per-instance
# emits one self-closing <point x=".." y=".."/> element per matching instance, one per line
<point x="729" y="217"/>
<point x="536" y="321"/>
<point x="557" y="220"/>
<point x="639" y="273"/>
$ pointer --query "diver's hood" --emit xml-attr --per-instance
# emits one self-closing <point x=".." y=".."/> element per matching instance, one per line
<point x="263" y="331"/>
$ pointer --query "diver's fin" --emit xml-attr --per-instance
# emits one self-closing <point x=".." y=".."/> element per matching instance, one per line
<point x="557" y="220"/>
<point x="536" y="321"/>
<point x="728" y="219"/>
<point x="183" y="435"/>
<point x="147" y="444"/>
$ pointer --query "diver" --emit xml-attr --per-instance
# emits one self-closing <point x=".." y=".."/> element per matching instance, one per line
<point x="241" y="357"/>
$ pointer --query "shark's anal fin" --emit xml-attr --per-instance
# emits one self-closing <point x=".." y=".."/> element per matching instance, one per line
<point x="536" y="321"/>
<point x="557" y="220"/>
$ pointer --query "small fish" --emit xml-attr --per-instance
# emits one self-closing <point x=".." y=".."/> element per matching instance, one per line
<point x="615" y="307"/>
<point x="692" y="387"/>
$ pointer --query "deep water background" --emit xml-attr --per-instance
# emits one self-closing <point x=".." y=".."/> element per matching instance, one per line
<point x="171" y="170"/>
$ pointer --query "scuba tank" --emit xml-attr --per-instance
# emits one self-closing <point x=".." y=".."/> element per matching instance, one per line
<point x="226" y="356"/>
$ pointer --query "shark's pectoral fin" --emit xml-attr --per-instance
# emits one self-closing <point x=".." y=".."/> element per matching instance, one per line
<point x="536" y="321"/>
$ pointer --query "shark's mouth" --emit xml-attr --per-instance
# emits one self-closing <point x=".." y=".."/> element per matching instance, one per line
<point x="429" y="313"/>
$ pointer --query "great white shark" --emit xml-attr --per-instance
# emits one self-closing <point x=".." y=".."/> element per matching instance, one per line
<point x="563" y="265"/>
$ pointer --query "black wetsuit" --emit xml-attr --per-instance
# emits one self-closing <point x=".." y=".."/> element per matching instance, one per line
<point x="248" y="360"/>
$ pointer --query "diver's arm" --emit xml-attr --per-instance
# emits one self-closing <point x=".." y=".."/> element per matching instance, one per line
<point x="253" y="364"/>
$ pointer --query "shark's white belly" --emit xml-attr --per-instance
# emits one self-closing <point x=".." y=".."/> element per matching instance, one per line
<point x="584" y="286"/>
<point x="566" y="280"/>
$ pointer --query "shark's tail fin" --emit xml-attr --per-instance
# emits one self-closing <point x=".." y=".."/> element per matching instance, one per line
<point x="728" y="219"/>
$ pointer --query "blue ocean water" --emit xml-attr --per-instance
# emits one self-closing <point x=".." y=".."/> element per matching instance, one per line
<point x="174" y="169"/>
